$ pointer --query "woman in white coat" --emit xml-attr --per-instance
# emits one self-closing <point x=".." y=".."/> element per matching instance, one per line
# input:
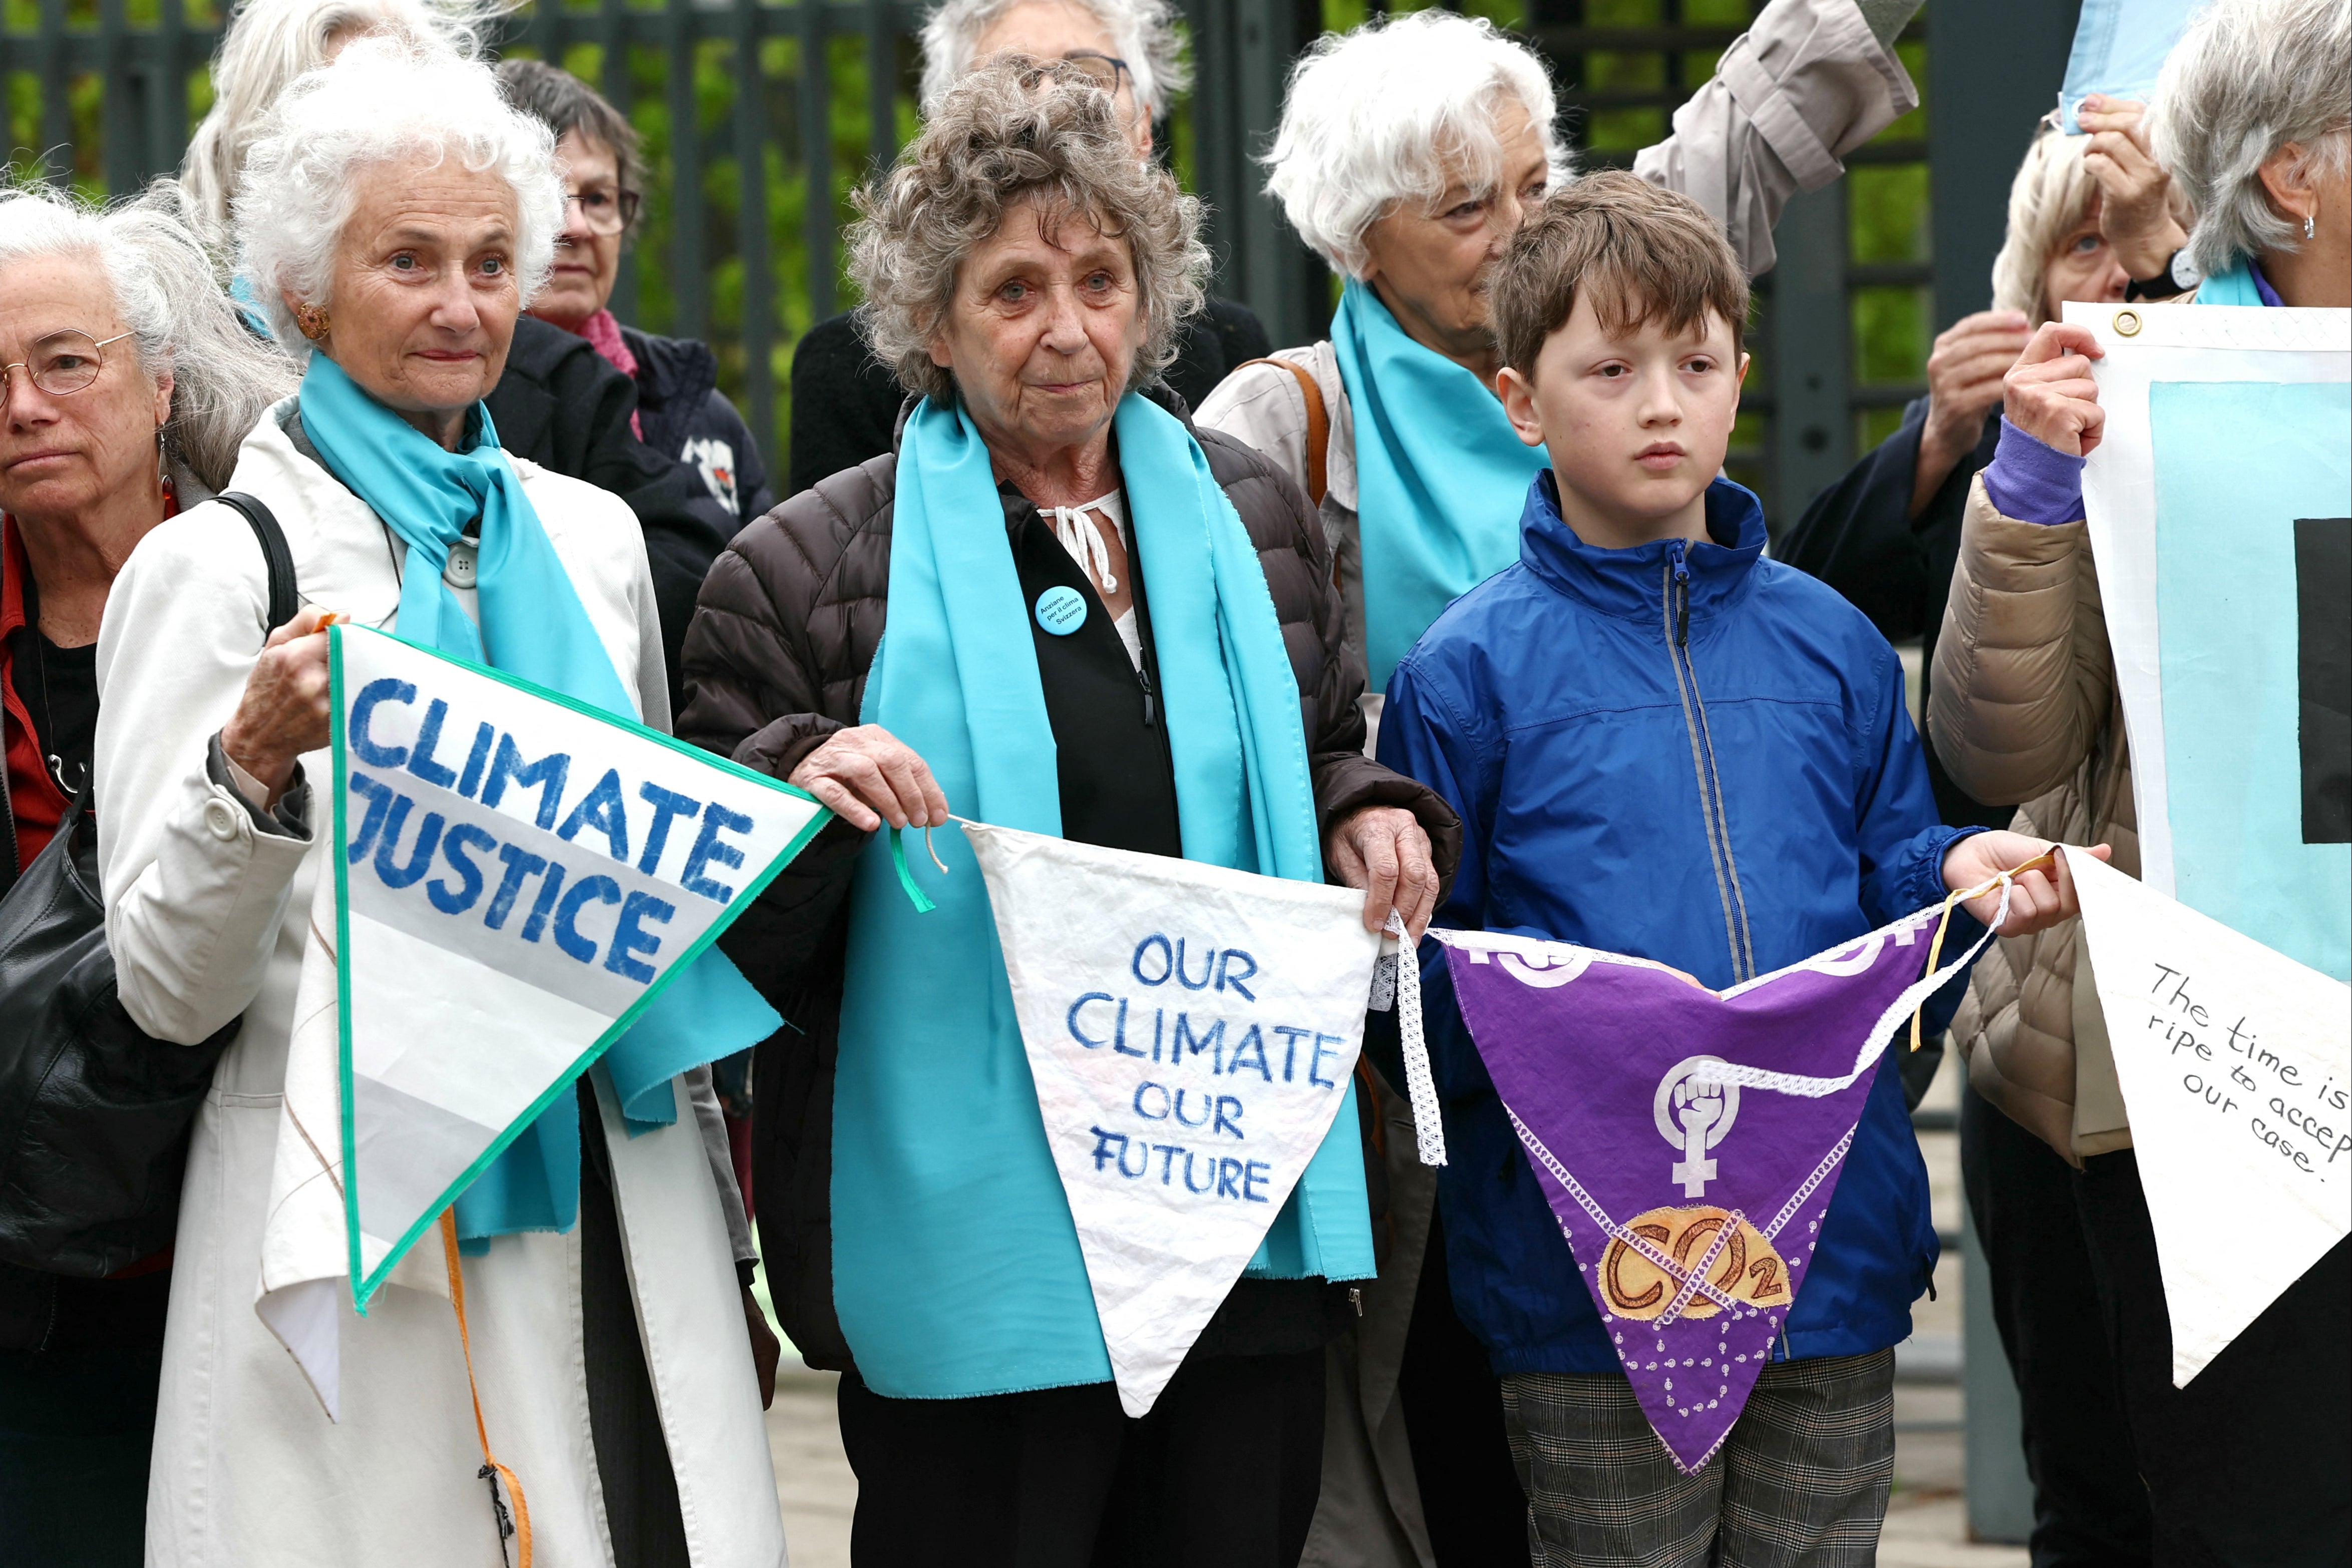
<point x="395" y="220"/>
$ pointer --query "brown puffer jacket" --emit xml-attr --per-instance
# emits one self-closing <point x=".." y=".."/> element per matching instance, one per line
<point x="2023" y="711"/>
<point x="776" y="661"/>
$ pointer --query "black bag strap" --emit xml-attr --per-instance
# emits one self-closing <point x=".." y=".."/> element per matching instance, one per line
<point x="283" y="599"/>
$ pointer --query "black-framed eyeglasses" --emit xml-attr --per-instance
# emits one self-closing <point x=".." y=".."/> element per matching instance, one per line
<point x="61" y="364"/>
<point x="604" y="211"/>
<point x="1109" y="71"/>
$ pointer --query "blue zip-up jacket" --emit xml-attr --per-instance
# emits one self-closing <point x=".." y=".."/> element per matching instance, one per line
<point x="1692" y="754"/>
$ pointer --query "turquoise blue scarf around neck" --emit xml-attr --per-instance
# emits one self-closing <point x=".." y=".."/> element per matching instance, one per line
<point x="2233" y="286"/>
<point x="1440" y="477"/>
<point x="533" y="625"/>
<point x="956" y="1269"/>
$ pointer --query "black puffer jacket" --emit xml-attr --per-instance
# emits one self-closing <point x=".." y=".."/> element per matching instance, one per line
<point x="776" y="661"/>
<point x="682" y="412"/>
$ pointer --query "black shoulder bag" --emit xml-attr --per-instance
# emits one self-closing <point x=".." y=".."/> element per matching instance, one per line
<point x="94" y="1112"/>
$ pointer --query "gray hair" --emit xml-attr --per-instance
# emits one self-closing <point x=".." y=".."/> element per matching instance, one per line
<point x="1009" y="131"/>
<point x="223" y="377"/>
<point x="1395" y="112"/>
<point x="266" y="45"/>
<point x="1143" y="31"/>
<point x="2248" y="77"/>
<point x="2051" y="194"/>
<point x="383" y="103"/>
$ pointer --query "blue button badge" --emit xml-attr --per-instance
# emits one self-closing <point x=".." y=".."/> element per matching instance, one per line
<point x="1062" y="609"/>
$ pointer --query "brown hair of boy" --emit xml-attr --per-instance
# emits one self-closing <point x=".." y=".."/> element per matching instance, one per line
<point x="1644" y="253"/>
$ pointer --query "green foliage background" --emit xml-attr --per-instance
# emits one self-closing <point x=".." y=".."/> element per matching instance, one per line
<point x="1892" y="328"/>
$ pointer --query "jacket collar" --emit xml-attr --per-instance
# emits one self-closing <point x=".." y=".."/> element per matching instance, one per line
<point x="1628" y="582"/>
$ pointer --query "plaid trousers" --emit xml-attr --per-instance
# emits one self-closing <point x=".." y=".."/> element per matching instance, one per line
<point x="1804" y="1479"/>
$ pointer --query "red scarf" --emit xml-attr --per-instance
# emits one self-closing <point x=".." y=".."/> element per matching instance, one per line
<point x="603" y="335"/>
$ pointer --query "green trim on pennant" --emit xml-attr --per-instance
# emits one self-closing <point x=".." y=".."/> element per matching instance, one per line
<point x="343" y="947"/>
<point x="363" y="1287"/>
<point x="914" y="894"/>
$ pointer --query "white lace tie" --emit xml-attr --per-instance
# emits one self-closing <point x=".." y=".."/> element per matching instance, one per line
<point x="1079" y="536"/>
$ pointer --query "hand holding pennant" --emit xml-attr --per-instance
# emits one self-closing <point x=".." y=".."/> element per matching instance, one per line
<point x="1191" y="1030"/>
<point x="518" y="877"/>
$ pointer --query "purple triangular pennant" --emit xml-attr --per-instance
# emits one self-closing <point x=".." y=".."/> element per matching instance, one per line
<point x="1689" y="1141"/>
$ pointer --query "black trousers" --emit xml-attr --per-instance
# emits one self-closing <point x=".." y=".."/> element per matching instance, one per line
<point x="1470" y="1494"/>
<point x="1222" y="1473"/>
<point x="2090" y="1507"/>
<point x="2247" y="1467"/>
<point x="76" y="1429"/>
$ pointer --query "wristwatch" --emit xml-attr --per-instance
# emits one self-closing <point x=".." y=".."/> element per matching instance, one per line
<point x="2179" y="276"/>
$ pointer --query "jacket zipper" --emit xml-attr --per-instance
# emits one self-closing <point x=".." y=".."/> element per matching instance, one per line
<point x="1144" y="680"/>
<point x="1674" y="596"/>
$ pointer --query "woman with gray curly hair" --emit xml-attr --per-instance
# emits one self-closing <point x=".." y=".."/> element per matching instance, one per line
<point x="395" y="217"/>
<point x="1142" y="616"/>
<point x="845" y="400"/>
<point x="128" y="383"/>
<point x="2251" y="115"/>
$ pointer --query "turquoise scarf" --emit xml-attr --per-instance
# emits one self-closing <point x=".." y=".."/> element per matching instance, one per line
<point x="956" y="1269"/>
<point x="534" y="626"/>
<point x="2234" y="286"/>
<point x="1441" y="477"/>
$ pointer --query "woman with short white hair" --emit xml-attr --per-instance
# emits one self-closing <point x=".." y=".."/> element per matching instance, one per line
<point x="126" y="384"/>
<point x="395" y="217"/>
<point x="1409" y="153"/>
<point x="2253" y="117"/>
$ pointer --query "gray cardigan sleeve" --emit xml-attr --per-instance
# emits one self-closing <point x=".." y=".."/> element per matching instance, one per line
<point x="1804" y="87"/>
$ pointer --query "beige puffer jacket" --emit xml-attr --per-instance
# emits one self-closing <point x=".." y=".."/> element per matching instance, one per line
<point x="2023" y="711"/>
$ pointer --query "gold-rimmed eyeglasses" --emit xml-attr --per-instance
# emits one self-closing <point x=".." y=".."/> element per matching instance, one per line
<point x="603" y="209"/>
<point x="61" y="364"/>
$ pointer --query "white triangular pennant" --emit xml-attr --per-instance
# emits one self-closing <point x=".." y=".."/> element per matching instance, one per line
<point x="2236" y="1066"/>
<point x="1191" y="1029"/>
<point x="518" y="876"/>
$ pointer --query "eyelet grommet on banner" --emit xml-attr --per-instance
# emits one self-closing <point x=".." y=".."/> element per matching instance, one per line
<point x="2128" y="323"/>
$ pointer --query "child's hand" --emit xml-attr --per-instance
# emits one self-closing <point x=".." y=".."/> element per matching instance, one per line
<point x="2038" y="899"/>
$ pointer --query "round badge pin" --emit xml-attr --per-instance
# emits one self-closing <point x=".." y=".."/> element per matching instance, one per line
<point x="1061" y="610"/>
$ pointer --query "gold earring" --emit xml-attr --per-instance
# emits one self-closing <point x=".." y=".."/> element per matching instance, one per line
<point x="312" y="321"/>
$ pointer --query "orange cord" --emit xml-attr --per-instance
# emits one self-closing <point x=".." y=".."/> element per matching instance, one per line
<point x="1935" y="948"/>
<point x="492" y="1471"/>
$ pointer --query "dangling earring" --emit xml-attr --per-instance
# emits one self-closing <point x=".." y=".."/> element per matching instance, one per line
<point x="312" y="321"/>
<point x="162" y="467"/>
<point x="2310" y="224"/>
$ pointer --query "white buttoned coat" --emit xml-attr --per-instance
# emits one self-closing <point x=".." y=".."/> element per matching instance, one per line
<point x="209" y="915"/>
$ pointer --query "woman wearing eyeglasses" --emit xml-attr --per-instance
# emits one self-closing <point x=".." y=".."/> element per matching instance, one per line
<point x="126" y="384"/>
<point x="680" y="410"/>
<point x="845" y="401"/>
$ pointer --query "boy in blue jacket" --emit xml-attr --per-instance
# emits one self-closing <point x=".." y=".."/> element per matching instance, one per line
<point x="1661" y="743"/>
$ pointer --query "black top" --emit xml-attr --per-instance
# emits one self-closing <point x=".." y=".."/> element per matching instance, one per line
<point x="58" y="689"/>
<point x="846" y="402"/>
<point x="1118" y="780"/>
<point x="559" y="403"/>
<point x="1859" y="536"/>
<point x="681" y="411"/>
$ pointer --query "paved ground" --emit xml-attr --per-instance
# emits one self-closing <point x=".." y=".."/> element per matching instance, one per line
<point x="1926" y="1523"/>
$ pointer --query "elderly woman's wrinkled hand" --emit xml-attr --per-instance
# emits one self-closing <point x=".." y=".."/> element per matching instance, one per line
<point x="2050" y="394"/>
<point x="2135" y="191"/>
<point x="868" y="776"/>
<point x="285" y="710"/>
<point x="1383" y="851"/>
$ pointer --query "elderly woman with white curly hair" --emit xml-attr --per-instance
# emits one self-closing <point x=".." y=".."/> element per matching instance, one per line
<point x="845" y="401"/>
<point x="1151" y="661"/>
<point x="2252" y="115"/>
<point x="394" y="219"/>
<point x="126" y="384"/>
